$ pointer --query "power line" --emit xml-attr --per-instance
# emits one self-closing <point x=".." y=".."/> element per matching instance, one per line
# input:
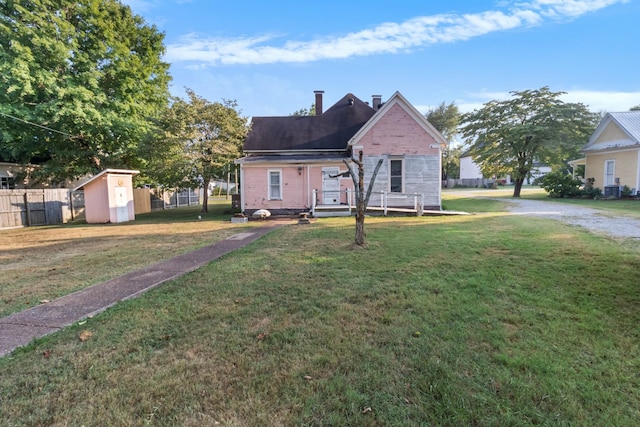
<point x="37" y="125"/>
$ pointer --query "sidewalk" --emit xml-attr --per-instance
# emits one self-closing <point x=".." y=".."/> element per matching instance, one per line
<point x="19" y="329"/>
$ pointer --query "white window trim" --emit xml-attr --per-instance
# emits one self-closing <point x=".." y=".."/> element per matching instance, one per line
<point x="7" y="180"/>
<point x="269" y="172"/>
<point x="613" y="175"/>
<point x="401" y="160"/>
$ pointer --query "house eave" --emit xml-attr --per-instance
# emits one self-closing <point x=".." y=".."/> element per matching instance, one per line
<point x="603" y="148"/>
<point x="292" y="159"/>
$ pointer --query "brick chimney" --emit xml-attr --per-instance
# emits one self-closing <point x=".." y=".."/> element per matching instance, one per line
<point x="376" y="102"/>
<point x="318" y="101"/>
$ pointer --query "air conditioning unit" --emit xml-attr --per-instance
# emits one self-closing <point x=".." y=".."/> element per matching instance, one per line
<point x="612" y="191"/>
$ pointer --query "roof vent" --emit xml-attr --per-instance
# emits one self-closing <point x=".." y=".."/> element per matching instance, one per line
<point x="351" y="101"/>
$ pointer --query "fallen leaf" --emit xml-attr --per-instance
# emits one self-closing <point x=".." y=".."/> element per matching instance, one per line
<point x="85" y="335"/>
<point x="46" y="354"/>
<point x="367" y="409"/>
<point x="262" y="336"/>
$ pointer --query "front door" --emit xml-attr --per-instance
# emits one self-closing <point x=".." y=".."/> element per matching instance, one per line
<point x="122" y="209"/>
<point x="330" y="186"/>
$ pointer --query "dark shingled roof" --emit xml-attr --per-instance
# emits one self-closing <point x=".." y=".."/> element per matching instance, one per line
<point x="331" y="130"/>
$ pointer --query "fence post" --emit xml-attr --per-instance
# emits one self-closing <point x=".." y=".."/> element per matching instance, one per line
<point x="27" y="208"/>
<point x="44" y="204"/>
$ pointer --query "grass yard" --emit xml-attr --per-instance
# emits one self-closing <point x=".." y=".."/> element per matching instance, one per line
<point x="481" y="320"/>
<point x="43" y="263"/>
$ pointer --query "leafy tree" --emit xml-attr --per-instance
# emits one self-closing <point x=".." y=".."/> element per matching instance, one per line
<point x="636" y="108"/>
<point x="507" y="137"/>
<point x="196" y="141"/>
<point x="304" y="112"/>
<point x="78" y="82"/>
<point x="446" y="119"/>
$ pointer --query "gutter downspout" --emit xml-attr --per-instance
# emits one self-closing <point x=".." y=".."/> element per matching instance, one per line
<point x="241" y="188"/>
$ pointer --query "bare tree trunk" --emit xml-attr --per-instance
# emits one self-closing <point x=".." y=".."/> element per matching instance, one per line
<point x="361" y="199"/>
<point x="517" y="187"/>
<point x="205" y="195"/>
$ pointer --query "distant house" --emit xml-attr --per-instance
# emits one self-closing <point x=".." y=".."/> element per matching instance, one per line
<point x="8" y="173"/>
<point x="612" y="156"/>
<point x="296" y="163"/>
<point x="468" y="168"/>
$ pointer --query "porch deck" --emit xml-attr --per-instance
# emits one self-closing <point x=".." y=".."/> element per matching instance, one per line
<point x="381" y="202"/>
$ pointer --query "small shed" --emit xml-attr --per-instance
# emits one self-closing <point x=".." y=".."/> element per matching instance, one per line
<point x="108" y="196"/>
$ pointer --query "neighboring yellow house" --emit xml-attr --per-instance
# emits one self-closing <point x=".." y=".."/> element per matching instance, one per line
<point x="612" y="156"/>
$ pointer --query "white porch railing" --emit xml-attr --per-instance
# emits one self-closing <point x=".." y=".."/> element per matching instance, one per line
<point x="380" y="201"/>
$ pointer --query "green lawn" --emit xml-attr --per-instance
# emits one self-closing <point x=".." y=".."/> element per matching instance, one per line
<point x="486" y="319"/>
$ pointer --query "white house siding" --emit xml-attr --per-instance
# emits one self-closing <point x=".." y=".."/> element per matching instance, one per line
<point x="469" y="169"/>
<point x="421" y="174"/>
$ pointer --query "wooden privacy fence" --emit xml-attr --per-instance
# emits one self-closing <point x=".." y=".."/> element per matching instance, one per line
<point x="22" y="208"/>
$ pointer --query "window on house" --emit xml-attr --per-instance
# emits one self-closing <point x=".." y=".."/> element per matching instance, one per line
<point x="609" y="172"/>
<point x="396" y="176"/>
<point x="275" y="187"/>
<point x="7" y="183"/>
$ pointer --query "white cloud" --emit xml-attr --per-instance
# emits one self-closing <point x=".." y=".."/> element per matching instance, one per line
<point x="567" y="8"/>
<point x="608" y="101"/>
<point x="596" y="101"/>
<point x="389" y="37"/>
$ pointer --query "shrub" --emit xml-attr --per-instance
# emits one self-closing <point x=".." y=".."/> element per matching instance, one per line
<point x="589" y="191"/>
<point x="560" y="184"/>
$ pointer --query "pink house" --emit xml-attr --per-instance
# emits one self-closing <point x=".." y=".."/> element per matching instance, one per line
<point x="297" y="164"/>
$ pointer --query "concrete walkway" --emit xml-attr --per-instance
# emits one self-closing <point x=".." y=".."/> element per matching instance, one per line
<point x="19" y="329"/>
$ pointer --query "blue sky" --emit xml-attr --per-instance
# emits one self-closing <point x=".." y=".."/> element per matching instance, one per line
<point x="271" y="55"/>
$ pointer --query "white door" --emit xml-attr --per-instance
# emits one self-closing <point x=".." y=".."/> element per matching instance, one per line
<point x="330" y="186"/>
<point x="122" y="211"/>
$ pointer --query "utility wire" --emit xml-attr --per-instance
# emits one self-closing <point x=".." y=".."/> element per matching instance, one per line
<point x="37" y="125"/>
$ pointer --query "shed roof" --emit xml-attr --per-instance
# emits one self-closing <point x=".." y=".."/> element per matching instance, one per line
<point x="330" y="131"/>
<point x="104" y="172"/>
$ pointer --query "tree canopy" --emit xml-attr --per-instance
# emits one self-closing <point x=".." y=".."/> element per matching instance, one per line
<point x="79" y="81"/>
<point x="196" y="140"/>
<point x="304" y="112"/>
<point x="507" y="137"/>
<point x="446" y="119"/>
